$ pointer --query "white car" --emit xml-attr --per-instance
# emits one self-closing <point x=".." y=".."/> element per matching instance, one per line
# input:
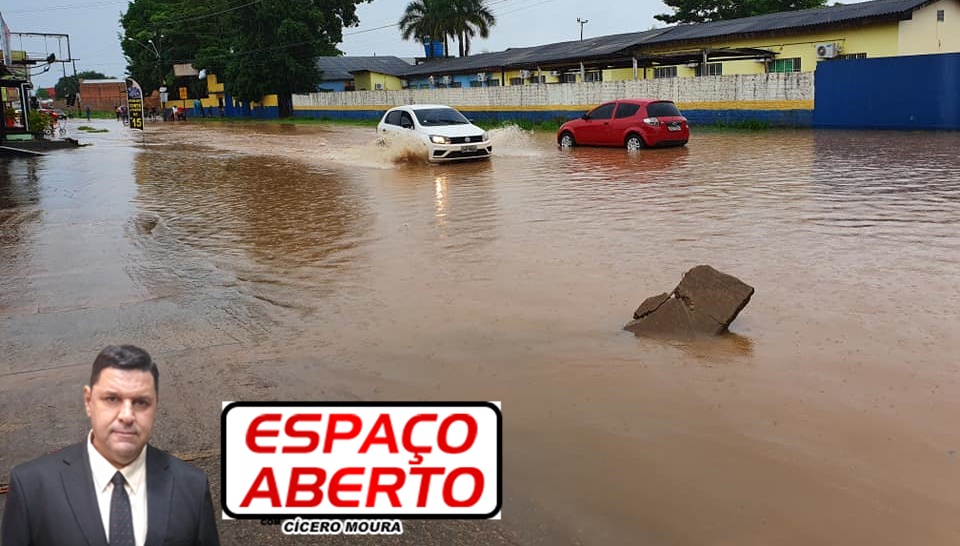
<point x="447" y="135"/>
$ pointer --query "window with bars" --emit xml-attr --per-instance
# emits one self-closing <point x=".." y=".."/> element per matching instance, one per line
<point x="784" y="65"/>
<point x="516" y="81"/>
<point x="710" y="69"/>
<point x="665" y="72"/>
<point x="940" y="15"/>
<point x="852" y="56"/>
<point x="570" y="77"/>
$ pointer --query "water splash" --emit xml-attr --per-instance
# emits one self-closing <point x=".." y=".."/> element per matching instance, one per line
<point x="511" y="140"/>
<point x="379" y="153"/>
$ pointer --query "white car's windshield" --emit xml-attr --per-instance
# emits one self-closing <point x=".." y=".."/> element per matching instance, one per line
<point x="434" y="117"/>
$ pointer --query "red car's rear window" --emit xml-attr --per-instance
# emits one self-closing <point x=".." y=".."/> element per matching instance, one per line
<point x="662" y="109"/>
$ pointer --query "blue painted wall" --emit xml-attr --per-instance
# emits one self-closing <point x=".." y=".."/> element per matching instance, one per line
<point x="333" y="85"/>
<point x="775" y="118"/>
<point x="238" y="109"/>
<point x="465" y="80"/>
<point x="914" y="92"/>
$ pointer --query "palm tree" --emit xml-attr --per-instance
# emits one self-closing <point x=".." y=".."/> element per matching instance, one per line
<point x="471" y="17"/>
<point x="441" y="19"/>
<point x="425" y="20"/>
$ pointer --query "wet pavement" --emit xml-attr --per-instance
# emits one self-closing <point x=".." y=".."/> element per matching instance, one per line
<point x="303" y="262"/>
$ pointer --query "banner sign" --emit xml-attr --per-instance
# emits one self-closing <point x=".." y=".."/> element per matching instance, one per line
<point x="135" y="104"/>
<point x="405" y="460"/>
<point x="5" y="42"/>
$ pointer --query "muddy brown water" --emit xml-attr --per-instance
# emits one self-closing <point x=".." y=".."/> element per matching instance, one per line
<point x="304" y="262"/>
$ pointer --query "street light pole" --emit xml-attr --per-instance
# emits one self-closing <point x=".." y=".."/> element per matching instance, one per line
<point x="156" y="51"/>
<point x="152" y="49"/>
<point x="582" y="22"/>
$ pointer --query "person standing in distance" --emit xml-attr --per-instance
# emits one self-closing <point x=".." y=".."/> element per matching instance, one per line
<point x="112" y="488"/>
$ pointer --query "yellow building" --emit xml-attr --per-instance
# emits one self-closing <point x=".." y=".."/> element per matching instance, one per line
<point x="779" y="42"/>
<point x="799" y="40"/>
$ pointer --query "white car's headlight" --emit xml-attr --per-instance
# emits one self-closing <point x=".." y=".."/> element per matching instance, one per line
<point x="437" y="139"/>
<point x="486" y="137"/>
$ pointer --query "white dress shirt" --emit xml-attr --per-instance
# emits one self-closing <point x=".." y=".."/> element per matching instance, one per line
<point x="136" y="475"/>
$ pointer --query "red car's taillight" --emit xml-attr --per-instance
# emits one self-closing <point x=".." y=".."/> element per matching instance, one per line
<point x="652" y="122"/>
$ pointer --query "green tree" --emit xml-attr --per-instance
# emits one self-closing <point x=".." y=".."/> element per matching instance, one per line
<point x="71" y="84"/>
<point x="704" y="11"/>
<point x="426" y="21"/>
<point x="158" y="34"/>
<point x="256" y="48"/>
<point x="276" y="44"/>
<point x="43" y="93"/>
<point x="470" y="17"/>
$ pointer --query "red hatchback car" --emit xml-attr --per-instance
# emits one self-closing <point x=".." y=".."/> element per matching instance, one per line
<point x="633" y="123"/>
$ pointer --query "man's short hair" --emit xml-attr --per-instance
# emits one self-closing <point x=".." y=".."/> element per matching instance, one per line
<point x="125" y="357"/>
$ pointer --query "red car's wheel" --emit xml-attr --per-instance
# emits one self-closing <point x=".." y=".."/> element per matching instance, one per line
<point x="567" y="140"/>
<point x="635" y="142"/>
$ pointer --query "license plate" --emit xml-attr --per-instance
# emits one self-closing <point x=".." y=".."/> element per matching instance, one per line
<point x="673" y="127"/>
<point x="468" y="148"/>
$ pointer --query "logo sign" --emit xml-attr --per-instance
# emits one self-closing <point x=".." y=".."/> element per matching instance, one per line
<point x="441" y="460"/>
<point x="135" y="104"/>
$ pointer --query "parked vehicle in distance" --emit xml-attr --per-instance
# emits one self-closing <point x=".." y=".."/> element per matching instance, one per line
<point x="630" y="123"/>
<point x="54" y="113"/>
<point x="447" y="134"/>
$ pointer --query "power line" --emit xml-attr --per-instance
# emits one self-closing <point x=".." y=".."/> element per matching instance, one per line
<point x="198" y="17"/>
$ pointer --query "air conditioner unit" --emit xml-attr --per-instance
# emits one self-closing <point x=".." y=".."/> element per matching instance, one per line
<point x="827" y="51"/>
<point x="481" y="76"/>
<point x="556" y="73"/>
<point x="692" y="65"/>
<point x="378" y="87"/>
<point x="524" y="74"/>
<point x="447" y="80"/>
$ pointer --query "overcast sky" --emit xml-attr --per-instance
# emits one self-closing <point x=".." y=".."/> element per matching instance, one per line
<point x="93" y="27"/>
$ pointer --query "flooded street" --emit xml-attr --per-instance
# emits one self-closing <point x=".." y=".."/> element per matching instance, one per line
<point x="304" y="262"/>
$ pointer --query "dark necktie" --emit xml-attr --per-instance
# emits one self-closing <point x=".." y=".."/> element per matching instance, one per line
<point x="121" y="522"/>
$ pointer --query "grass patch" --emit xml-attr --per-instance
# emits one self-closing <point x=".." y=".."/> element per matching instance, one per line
<point x="293" y="121"/>
<point x="549" y="126"/>
<point x="93" y="115"/>
<point x="743" y="125"/>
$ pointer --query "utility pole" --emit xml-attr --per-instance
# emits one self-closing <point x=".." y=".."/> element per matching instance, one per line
<point x="582" y="22"/>
<point x="156" y="52"/>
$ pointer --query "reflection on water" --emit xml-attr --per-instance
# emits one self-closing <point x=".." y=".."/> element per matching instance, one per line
<point x="19" y="213"/>
<point x="511" y="279"/>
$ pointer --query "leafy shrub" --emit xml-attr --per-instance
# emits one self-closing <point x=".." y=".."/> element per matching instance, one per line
<point x="39" y="123"/>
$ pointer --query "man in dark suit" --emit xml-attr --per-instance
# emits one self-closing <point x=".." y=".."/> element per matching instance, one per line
<point x="112" y="488"/>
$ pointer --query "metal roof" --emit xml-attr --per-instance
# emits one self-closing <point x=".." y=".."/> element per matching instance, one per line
<point x="343" y="68"/>
<point x="624" y="46"/>
<point x="529" y="57"/>
<point x="791" y="19"/>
